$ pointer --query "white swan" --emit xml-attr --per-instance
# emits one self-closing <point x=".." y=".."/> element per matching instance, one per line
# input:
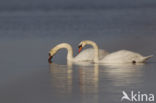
<point x="121" y="56"/>
<point x="86" y="55"/>
<point x="125" y="56"/>
<point x="94" y="53"/>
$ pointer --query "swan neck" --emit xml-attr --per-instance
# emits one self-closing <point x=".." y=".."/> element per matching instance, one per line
<point x="69" y="50"/>
<point x="70" y="53"/>
<point x="96" y="50"/>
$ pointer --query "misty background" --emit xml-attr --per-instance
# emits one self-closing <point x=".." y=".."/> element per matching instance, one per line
<point x="48" y="5"/>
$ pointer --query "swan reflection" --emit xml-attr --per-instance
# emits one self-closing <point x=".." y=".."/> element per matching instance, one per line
<point x="124" y="74"/>
<point x="86" y="76"/>
<point x="61" y="77"/>
<point x="89" y="77"/>
<point x="89" y="83"/>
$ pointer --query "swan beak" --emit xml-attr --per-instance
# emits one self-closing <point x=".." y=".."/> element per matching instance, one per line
<point x="50" y="58"/>
<point x="80" y="48"/>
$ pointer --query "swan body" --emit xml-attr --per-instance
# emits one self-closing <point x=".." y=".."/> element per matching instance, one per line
<point x="85" y="55"/>
<point x="88" y="54"/>
<point x="124" y="56"/>
<point x="121" y="56"/>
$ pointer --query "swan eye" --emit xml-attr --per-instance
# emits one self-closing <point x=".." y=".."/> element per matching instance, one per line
<point x="133" y="61"/>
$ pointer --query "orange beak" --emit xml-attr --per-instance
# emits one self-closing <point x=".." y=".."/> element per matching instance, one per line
<point x="50" y="58"/>
<point x="80" y="48"/>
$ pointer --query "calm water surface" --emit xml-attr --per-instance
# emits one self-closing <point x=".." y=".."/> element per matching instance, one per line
<point x="26" y="38"/>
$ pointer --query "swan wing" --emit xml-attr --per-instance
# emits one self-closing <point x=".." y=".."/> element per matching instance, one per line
<point x="102" y="53"/>
<point x="124" y="56"/>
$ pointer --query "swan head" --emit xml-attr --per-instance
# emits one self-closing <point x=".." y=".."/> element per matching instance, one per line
<point x="81" y="45"/>
<point x="51" y="53"/>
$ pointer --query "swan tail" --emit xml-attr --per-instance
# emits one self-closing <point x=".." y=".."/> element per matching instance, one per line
<point x="147" y="57"/>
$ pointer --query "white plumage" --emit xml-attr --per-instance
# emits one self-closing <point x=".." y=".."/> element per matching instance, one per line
<point x="121" y="56"/>
<point x="124" y="56"/>
<point x="88" y="55"/>
<point x="85" y="55"/>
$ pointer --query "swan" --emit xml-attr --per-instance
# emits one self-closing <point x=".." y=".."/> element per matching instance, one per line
<point x="96" y="53"/>
<point x="121" y="56"/>
<point x="85" y="55"/>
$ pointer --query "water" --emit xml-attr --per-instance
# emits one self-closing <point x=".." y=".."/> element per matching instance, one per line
<point x="26" y="38"/>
